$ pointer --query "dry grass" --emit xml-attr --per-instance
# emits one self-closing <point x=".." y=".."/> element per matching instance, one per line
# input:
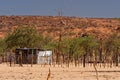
<point x="38" y="72"/>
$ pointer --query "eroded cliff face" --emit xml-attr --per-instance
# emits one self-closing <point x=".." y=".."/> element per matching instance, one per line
<point x="67" y="26"/>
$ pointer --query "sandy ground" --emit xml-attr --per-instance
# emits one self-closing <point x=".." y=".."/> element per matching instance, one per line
<point x="38" y="72"/>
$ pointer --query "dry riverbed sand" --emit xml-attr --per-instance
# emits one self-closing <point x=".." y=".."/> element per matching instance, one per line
<point x="38" y="72"/>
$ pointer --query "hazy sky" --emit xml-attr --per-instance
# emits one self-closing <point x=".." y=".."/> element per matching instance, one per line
<point x="81" y="8"/>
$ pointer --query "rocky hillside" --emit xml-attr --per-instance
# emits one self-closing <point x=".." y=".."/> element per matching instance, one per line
<point x="67" y="26"/>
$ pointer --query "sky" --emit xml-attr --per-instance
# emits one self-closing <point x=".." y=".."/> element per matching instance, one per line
<point x="78" y="8"/>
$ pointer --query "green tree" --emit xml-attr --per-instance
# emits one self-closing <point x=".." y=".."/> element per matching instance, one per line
<point x="88" y="43"/>
<point x="65" y="48"/>
<point x="44" y="41"/>
<point x="76" y="49"/>
<point x="112" y="45"/>
<point x="22" y="36"/>
<point x="2" y="46"/>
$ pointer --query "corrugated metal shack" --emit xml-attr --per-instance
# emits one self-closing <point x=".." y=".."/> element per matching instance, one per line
<point x="28" y="55"/>
<point x="33" y="56"/>
<point x="44" y="57"/>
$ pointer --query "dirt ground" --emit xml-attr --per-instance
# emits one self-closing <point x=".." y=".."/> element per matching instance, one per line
<point x="38" y="72"/>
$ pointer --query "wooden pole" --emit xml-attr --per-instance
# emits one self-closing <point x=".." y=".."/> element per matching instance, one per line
<point x="10" y="58"/>
<point x="20" y="59"/>
<point x="32" y="59"/>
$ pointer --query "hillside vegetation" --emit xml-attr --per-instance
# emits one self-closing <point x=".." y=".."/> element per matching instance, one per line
<point x="68" y="26"/>
<point x="72" y="39"/>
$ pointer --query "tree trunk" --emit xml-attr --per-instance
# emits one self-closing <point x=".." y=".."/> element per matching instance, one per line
<point x="32" y="59"/>
<point x="100" y="58"/>
<point x="116" y="57"/>
<point x="57" y="57"/>
<point x="53" y="55"/>
<point x="94" y="65"/>
<point x="68" y="59"/>
<point x="63" y="58"/>
<point x="110" y="58"/>
<point x="10" y="59"/>
<point x="20" y="59"/>
<point x="75" y="62"/>
<point x="78" y="60"/>
<point x="84" y="56"/>
<point x="52" y="58"/>
<point x="100" y="52"/>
